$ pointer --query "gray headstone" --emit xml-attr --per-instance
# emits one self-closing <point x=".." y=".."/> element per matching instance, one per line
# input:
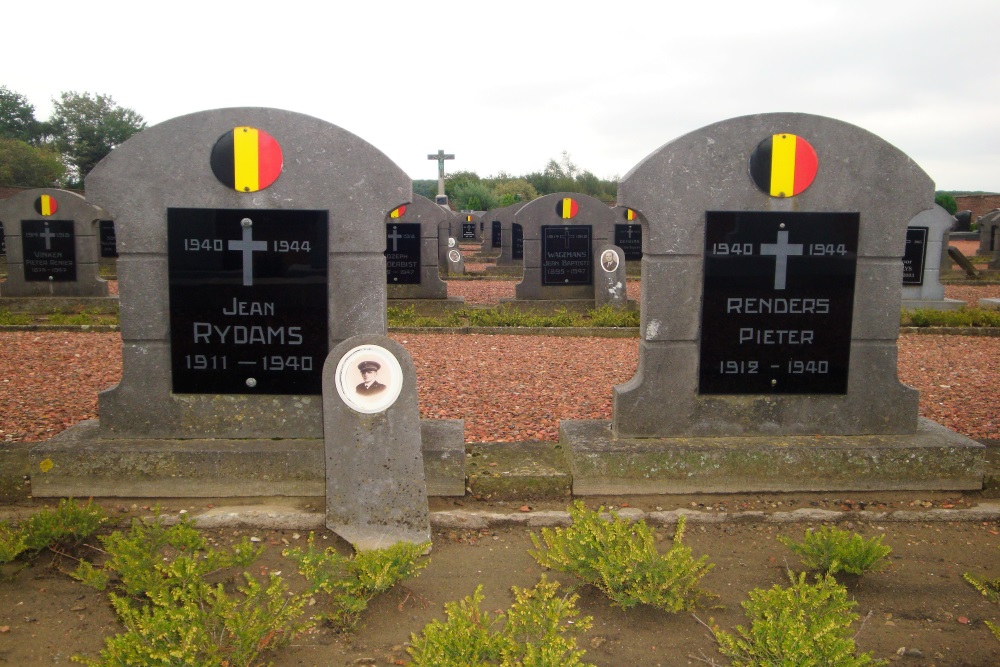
<point x="989" y="233"/>
<point x="676" y="190"/>
<point x="415" y="258"/>
<point x="456" y="263"/>
<point x="609" y="277"/>
<point x="328" y="174"/>
<point x="52" y="245"/>
<point x="561" y="231"/>
<point x="506" y="217"/>
<point x="376" y="491"/>
<point x="925" y="238"/>
<point x="628" y="233"/>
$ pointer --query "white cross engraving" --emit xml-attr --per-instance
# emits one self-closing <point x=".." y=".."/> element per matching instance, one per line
<point x="781" y="251"/>
<point x="48" y="236"/>
<point x="395" y="236"/>
<point x="247" y="246"/>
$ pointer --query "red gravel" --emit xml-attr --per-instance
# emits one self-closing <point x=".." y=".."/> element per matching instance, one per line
<point x="505" y="387"/>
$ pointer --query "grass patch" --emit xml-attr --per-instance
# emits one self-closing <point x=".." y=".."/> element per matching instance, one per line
<point x="510" y="316"/>
<point x="8" y="319"/>
<point x="963" y="317"/>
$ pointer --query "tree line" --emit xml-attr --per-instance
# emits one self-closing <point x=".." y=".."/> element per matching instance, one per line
<point x="60" y="151"/>
<point x="467" y="191"/>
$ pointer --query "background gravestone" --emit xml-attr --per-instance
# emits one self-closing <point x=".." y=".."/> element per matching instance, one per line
<point x="411" y="251"/>
<point x="509" y="259"/>
<point x="989" y="233"/>
<point x="52" y="245"/>
<point x="770" y="312"/>
<point x="610" y="288"/>
<point x="561" y="231"/>
<point x="470" y="231"/>
<point x="628" y="233"/>
<point x="925" y="236"/>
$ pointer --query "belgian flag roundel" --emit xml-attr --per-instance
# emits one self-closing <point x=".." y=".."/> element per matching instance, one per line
<point x="629" y="214"/>
<point x="246" y="159"/>
<point x="567" y="208"/>
<point x="783" y="165"/>
<point x="398" y="212"/>
<point x="46" y="205"/>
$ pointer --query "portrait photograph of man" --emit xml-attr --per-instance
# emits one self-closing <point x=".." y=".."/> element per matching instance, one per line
<point x="369" y="373"/>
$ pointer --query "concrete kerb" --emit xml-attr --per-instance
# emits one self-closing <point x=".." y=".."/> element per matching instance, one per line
<point x="284" y="518"/>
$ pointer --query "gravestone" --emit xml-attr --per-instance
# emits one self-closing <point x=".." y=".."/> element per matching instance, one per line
<point x="628" y="233"/>
<point x="52" y="246"/>
<point x="609" y="284"/>
<point x="989" y="233"/>
<point x="770" y="313"/>
<point x="511" y="248"/>
<point x="925" y="238"/>
<point x="109" y="246"/>
<point x="240" y="267"/>
<point x="411" y="251"/>
<point x="376" y="489"/>
<point x="496" y="235"/>
<point x="471" y="232"/>
<point x="445" y="241"/>
<point x="456" y="263"/>
<point x="560" y="233"/>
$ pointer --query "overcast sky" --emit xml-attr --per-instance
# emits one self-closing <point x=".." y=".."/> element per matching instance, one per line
<point x="507" y="85"/>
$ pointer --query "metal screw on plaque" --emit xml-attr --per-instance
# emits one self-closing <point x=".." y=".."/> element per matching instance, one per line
<point x="251" y="382"/>
<point x="247" y="222"/>
<point x="782" y="225"/>
<point x="773" y="382"/>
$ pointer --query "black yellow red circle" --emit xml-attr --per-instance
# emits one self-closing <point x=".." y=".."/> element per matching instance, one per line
<point x="246" y="159"/>
<point x="783" y="165"/>
<point x="46" y="205"/>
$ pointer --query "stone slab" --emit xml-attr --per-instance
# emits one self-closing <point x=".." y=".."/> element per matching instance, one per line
<point x="87" y="463"/>
<point x="932" y="458"/>
<point x="14" y="471"/>
<point x="929" y="304"/>
<point x="519" y="471"/>
<point x="989" y="304"/>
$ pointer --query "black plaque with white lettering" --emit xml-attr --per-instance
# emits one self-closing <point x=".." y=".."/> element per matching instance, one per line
<point x="495" y="236"/>
<point x="3" y="241"/>
<point x="517" y="241"/>
<point x="778" y="302"/>
<point x="109" y="243"/>
<point x="914" y="255"/>
<point x="49" y="250"/>
<point x="468" y="231"/>
<point x="566" y="255"/>
<point x="248" y="300"/>
<point x="629" y="239"/>
<point x="402" y="253"/>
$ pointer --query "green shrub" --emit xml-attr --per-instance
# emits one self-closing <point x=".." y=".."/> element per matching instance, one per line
<point x="802" y="625"/>
<point x="8" y="318"/>
<point x="963" y="317"/>
<point x="831" y="550"/>
<point x="83" y="318"/>
<point x="539" y="630"/>
<point x="173" y="615"/>
<point x="61" y="528"/>
<point x="990" y="589"/>
<point x="353" y="581"/>
<point x="620" y="558"/>
<point x="606" y="316"/>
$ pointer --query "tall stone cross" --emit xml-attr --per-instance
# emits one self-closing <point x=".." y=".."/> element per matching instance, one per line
<point x="441" y="156"/>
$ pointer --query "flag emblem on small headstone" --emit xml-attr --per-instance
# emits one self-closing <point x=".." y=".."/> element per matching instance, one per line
<point x="398" y="212"/>
<point x="783" y="165"/>
<point x="46" y="205"/>
<point x="246" y="159"/>
<point x="629" y="214"/>
<point x="567" y="208"/>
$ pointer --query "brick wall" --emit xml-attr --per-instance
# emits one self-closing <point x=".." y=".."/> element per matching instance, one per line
<point x="978" y="204"/>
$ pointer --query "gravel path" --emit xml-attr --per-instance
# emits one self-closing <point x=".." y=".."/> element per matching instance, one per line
<point x="506" y="387"/>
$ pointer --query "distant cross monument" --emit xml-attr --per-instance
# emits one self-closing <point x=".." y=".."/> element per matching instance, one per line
<point x="440" y="156"/>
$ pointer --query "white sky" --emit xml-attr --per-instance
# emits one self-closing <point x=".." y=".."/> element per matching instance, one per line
<point x="506" y="85"/>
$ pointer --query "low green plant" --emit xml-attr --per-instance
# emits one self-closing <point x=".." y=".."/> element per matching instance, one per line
<point x="83" y="318"/>
<point x="173" y="614"/>
<point x="539" y="630"/>
<point x="8" y="318"/>
<point x="990" y="589"/>
<point x="63" y="527"/>
<point x="963" y="317"/>
<point x="408" y="317"/>
<point x="620" y="558"/>
<point x="352" y="581"/>
<point x="831" y="550"/>
<point x="606" y="316"/>
<point x="806" y="625"/>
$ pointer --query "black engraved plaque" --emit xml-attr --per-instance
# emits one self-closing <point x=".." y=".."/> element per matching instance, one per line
<point x="778" y="302"/>
<point x="109" y="243"/>
<point x="517" y="241"/>
<point x="629" y="239"/>
<point x="49" y="250"/>
<point x="3" y="241"/>
<point x="914" y="255"/>
<point x="402" y="253"/>
<point x="495" y="236"/>
<point x="468" y="231"/>
<point x="566" y="255"/>
<point x="248" y="300"/>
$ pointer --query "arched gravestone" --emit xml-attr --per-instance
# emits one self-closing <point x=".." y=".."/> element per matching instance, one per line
<point x="628" y="233"/>
<point x="561" y="231"/>
<point x="989" y="233"/>
<point x="771" y="267"/>
<point x="511" y="249"/>
<point x="312" y="249"/>
<point x="52" y="245"/>
<point x="925" y="236"/>
<point x="468" y="230"/>
<point x="411" y="251"/>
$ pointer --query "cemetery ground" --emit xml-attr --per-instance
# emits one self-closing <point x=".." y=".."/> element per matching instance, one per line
<point x="919" y="611"/>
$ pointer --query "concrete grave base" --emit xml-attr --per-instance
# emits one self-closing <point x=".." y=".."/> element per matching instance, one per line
<point x="934" y="458"/>
<point x="82" y="462"/>
<point x="43" y="305"/>
<point x="928" y="304"/>
<point x="989" y="304"/>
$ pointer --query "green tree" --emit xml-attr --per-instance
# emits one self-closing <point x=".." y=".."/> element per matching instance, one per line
<point x="947" y="202"/>
<point x="514" y="190"/>
<point x="426" y="188"/>
<point x="86" y="128"/>
<point x="17" y="118"/>
<point x="29" y="166"/>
